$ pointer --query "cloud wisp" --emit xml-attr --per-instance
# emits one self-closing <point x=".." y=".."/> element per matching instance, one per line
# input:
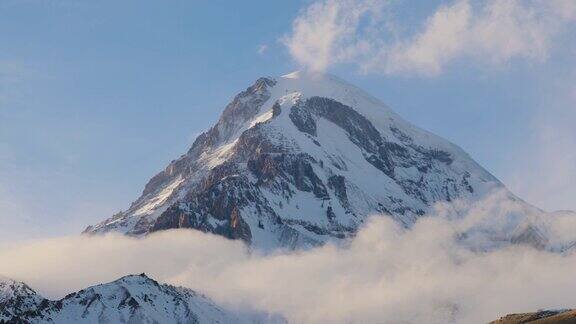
<point x="384" y="274"/>
<point x="365" y="33"/>
<point x="262" y="49"/>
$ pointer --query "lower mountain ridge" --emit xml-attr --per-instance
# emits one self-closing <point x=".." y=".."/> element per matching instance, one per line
<point x="130" y="299"/>
<point x="540" y="317"/>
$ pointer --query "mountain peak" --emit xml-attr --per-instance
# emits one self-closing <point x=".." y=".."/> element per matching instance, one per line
<point x="10" y="288"/>
<point x="300" y="160"/>
<point x="135" y="278"/>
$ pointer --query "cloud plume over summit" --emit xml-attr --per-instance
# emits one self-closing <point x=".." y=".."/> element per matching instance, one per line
<point x="366" y="33"/>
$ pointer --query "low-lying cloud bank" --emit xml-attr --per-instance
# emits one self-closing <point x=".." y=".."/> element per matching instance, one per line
<point x="386" y="274"/>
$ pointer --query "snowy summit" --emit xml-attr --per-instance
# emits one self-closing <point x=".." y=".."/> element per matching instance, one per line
<point x="299" y="160"/>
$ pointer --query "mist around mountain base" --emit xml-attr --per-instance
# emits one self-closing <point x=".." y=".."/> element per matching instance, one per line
<point x="430" y="273"/>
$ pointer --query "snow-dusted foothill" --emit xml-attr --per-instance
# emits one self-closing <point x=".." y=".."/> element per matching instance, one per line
<point x="130" y="299"/>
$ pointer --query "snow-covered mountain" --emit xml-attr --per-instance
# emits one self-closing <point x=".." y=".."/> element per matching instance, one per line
<point x="299" y="160"/>
<point x="17" y="301"/>
<point x="130" y="299"/>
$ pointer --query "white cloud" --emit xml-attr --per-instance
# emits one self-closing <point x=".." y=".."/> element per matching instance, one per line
<point x="443" y="39"/>
<point x="491" y="32"/>
<point x="386" y="274"/>
<point x="326" y="32"/>
<point x="262" y="49"/>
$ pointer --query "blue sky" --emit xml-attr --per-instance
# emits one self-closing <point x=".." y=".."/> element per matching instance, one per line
<point x="98" y="96"/>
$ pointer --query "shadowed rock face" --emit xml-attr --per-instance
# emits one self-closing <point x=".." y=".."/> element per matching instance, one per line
<point x="360" y="131"/>
<point x="540" y="317"/>
<point x="286" y="168"/>
<point x="214" y="206"/>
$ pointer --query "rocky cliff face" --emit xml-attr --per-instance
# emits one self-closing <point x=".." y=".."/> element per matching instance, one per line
<point x="299" y="160"/>
<point x="131" y="299"/>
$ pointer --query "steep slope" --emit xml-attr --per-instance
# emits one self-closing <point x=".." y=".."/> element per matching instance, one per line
<point x="131" y="299"/>
<point x="300" y="160"/>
